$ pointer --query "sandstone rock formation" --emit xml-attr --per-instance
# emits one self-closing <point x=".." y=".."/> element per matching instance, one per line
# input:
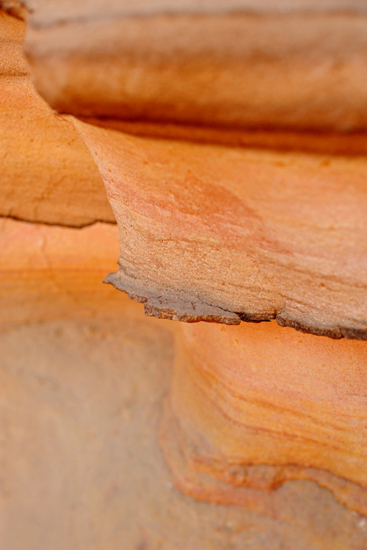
<point x="254" y="406"/>
<point x="224" y="234"/>
<point x="54" y="272"/>
<point x="47" y="174"/>
<point x="230" y="141"/>
<point x="292" y="64"/>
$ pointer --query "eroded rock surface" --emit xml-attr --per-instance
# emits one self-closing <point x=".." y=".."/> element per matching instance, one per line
<point x="47" y="173"/>
<point x="254" y="406"/>
<point x="219" y="223"/>
<point x="258" y="234"/>
<point x="50" y="272"/>
<point x="80" y="410"/>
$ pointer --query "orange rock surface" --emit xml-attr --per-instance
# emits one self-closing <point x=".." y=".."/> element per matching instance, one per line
<point x="48" y="272"/>
<point x="231" y="140"/>
<point x="235" y="63"/>
<point x="254" y="406"/>
<point x="223" y="234"/>
<point x="83" y="377"/>
<point x="47" y="173"/>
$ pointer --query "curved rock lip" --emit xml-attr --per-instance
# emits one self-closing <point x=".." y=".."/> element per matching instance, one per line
<point x="337" y="332"/>
<point x="225" y="234"/>
<point x="211" y="68"/>
<point x="178" y="307"/>
<point x="169" y="305"/>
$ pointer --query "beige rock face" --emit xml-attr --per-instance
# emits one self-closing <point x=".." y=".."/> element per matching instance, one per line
<point x="81" y="467"/>
<point x="234" y="64"/>
<point x="47" y="173"/>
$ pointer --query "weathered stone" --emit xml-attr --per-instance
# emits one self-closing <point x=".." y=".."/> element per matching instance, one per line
<point x="51" y="272"/>
<point x="243" y="199"/>
<point x="258" y="234"/>
<point x="230" y="63"/>
<point x="255" y="406"/>
<point x="47" y="173"/>
<point x="83" y="378"/>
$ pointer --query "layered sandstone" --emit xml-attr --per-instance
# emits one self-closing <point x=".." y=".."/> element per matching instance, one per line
<point x="84" y="376"/>
<point x="240" y="63"/>
<point x="231" y="141"/>
<point x="223" y="234"/>
<point x="255" y="406"/>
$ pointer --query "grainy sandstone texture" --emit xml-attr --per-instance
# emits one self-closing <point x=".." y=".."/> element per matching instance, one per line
<point x="223" y="234"/>
<point x="48" y="272"/>
<point x="47" y="173"/>
<point x="231" y="140"/>
<point x="257" y="405"/>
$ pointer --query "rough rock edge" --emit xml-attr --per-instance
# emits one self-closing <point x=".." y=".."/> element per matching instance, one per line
<point x="168" y="305"/>
<point x="335" y="332"/>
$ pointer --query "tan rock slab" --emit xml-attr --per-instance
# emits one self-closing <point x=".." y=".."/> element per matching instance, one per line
<point x="223" y="234"/>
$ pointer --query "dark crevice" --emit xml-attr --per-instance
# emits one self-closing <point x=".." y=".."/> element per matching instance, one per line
<point x="53" y="224"/>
